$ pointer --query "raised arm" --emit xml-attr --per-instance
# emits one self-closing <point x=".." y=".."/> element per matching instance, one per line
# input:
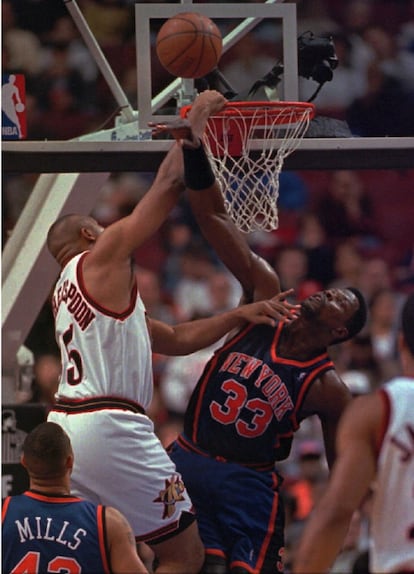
<point x="108" y="274"/>
<point x="121" y="238"/>
<point x="258" y="279"/>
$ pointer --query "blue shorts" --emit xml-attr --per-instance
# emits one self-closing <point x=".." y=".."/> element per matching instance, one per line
<point x="239" y="512"/>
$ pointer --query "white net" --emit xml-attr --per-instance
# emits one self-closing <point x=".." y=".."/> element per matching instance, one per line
<point x="249" y="177"/>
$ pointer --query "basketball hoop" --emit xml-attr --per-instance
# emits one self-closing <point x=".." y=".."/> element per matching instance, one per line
<point x="247" y="143"/>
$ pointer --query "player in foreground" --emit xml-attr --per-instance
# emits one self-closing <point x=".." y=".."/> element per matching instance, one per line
<point x="106" y="341"/>
<point x="47" y="529"/>
<point x="254" y="392"/>
<point x="375" y="449"/>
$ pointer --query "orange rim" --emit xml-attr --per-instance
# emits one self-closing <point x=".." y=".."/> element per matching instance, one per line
<point x="284" y="110"/>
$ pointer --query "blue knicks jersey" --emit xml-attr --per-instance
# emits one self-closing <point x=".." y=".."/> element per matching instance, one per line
<point x="42" y="534"/>
<point x="246" y="403"/>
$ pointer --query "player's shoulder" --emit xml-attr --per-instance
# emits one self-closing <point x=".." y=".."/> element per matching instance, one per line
<point x="114" y="517"/>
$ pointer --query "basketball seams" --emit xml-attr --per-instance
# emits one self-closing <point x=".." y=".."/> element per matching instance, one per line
<point x="191" y="52"/>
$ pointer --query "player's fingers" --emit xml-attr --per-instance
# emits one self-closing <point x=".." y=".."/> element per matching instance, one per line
<point x="284" y="294"/>
<point x="285" y="311"/>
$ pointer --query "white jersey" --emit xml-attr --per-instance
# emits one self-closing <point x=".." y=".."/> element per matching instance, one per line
<point x="105" y="384"/>
<point x="103" y="353"/>
<point x="392" y="530"/>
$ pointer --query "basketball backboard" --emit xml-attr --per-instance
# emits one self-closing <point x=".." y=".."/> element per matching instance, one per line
<point x="246" y="18"/>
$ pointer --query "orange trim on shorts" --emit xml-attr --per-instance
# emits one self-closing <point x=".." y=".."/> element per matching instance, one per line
<point x="270" y="532"/>
<point x="157" y="533"/>
<point x="215" y="552"/>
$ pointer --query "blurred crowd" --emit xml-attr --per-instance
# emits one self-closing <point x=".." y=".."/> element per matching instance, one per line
<point x="337" y="227"/>
<point x="372" y="86"/>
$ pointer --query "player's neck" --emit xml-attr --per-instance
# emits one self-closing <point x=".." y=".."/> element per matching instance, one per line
<point x="292" y="344"/>
<point x="57" y="488"/>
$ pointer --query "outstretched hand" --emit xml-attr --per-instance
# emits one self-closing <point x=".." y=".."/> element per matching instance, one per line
<point x="179" y="129"/>
<point x="269" y="311"/>
<point x="188" y="132"/>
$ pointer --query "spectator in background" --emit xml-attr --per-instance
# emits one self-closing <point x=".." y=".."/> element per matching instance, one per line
<point x="223" y="291"/>
<point x="312" y="238"/>
<point x="248" y="62"/>
<point x="355" y="16"/>
<point x="191" y="291"/>
<point x="312" y="475"/>
<point x="22" y="48"/>
<point x="393" y="61"/>
<point x="47" y="370"/>
<point x="62" y="96"/>
<point x="161" y="309"/>
<point x="65" y="34"/>
<point x="292" y="266"/>
<point x="16" y="190"/>
<point x="384" y="310"/>
<point x="404" y="271"/>
<point x="156" y="304"/>
<point x="177" y="238"/>
<point x="375" y="276"/>
<point x="405" y="36"/>
<point x="345" y="209"/>
<point x="357" y="382"/>
<point x="348" y="264"/>
<point x="111" y="21"/>
<point x="60" y="74"/>
<point x="357" y="362"/>
<point x="385" y="109"/>
<point x="314" y="16"/>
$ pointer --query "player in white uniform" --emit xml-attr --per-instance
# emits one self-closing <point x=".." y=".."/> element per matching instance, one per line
<point x="106" y="384"/>
<point x="375" y="449"/>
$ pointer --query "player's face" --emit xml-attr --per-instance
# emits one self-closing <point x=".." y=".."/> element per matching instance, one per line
<point x="333" y="307"/>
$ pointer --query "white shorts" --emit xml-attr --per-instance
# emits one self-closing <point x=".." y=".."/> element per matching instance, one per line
<point x="120" y="462"/>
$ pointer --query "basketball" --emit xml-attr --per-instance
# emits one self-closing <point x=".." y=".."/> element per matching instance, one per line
<point x="189" y="45"/>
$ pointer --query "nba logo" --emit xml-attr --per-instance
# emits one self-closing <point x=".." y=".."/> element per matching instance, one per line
<point x="13" y="107"/>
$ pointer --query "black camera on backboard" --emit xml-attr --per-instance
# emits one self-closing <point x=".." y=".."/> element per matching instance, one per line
<point x="316" y="57"/>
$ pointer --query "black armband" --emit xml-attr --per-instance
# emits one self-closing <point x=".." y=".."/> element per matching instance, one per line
<point x="198" y="173"/>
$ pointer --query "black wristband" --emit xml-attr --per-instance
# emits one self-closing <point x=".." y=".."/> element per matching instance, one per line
<point x="198" y="173"/>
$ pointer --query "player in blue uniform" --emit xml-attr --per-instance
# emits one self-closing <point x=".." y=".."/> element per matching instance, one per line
<point x="47" y="530"/>
<point x="254" y="392"/>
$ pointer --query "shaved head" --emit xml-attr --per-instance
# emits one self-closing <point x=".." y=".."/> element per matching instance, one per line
<point x="66" y="232"/>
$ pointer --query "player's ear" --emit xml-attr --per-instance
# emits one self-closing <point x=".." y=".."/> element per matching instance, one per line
<point x="69" y="462"/>
<point x="88" y="234"/>
<point x="23" y="461"/>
